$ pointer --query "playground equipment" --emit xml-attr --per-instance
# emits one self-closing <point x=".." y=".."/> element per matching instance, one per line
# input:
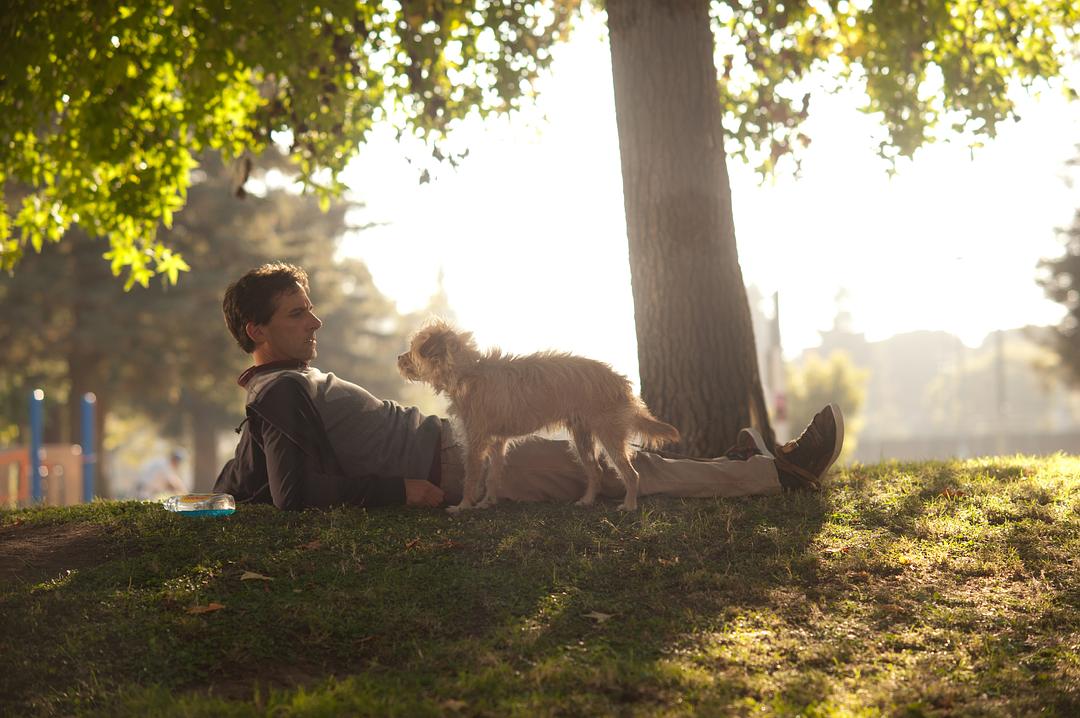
<point x="54" y="474"/>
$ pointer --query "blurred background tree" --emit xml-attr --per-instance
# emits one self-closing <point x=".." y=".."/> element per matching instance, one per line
<point x="816" y="381"/>
<point x="164" y="352"/>
<point x="1060" y="279"/>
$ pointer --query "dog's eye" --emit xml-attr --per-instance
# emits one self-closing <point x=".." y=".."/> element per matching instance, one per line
<point x="433" y="346"/>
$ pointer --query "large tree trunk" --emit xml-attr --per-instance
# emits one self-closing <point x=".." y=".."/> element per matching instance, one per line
<point x="88" y="367"/>
<point x="204" y="425"/>
<point x="695" y="338"/>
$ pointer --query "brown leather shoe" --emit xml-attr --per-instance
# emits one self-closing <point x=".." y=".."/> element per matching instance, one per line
<point x="802" y="463"/>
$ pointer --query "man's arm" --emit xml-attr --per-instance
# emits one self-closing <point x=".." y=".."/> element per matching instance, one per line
<point x="423" y="493"/>
<point x="244" y="475"/>
<point x="301" y="469"/>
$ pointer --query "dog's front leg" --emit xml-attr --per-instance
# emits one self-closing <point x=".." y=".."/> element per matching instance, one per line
<point x="496" y="464"/>
<point x="475" y="451"/>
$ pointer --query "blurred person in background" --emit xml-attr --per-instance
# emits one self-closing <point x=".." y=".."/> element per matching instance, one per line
<point x="160" y="476"/>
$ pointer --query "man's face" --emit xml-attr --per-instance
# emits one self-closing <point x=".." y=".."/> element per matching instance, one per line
<point x="290" y="333"/>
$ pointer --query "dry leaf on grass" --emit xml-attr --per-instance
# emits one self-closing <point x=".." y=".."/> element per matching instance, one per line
<point x="312" y="545"/>
<point x="452" y="704"/>
<point x="597" y="616"/>
<point x="208" y="608"/>
<point x="252" y="576"/>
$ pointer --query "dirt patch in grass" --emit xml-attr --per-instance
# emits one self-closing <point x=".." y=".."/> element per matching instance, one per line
<point x="33" y="553"/>
<point x="260" y="679"/>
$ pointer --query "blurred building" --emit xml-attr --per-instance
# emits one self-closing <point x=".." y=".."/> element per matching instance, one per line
<point x="931" y="396"/>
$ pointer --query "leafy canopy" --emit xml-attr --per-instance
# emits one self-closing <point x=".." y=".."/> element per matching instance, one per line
<point x="921" y="62"/>
<point x="104" y="104"/>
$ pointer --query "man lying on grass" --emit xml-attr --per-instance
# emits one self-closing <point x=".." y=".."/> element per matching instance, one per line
<point x="313" y="440"/>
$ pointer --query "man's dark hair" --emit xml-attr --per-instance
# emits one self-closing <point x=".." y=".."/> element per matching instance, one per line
<point x="253" y="297"/>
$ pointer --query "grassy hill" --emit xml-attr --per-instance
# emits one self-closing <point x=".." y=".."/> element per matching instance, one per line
<point x="901" y="589"/>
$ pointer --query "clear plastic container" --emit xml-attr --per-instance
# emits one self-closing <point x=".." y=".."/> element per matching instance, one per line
<point x="201" y="504"/>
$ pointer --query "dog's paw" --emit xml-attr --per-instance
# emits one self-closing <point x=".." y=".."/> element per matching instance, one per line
<point x="487" y="502"/>
<point x="624" y="506"/>
<point x="459" y="508"/>
<point x="585" y="501"/>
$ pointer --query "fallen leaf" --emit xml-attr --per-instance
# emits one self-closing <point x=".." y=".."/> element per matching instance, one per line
<point x="312" y="545"/>
<point x="208" y="608"/>
<point x="951" y="494"/>
<point x="252" y="576"/>
<point x="412" y="544"/>
<point x="452" y="704"/>
<point x="597" y="616"/>
<point x="835" y="549"/>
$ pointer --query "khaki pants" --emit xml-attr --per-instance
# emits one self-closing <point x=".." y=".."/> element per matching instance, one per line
<point x="540" y="469"/>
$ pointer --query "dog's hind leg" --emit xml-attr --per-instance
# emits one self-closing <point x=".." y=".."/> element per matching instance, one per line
<point x="619" y="453"/>
<point x="496" y="465"/>
<point x="585" y="447"/>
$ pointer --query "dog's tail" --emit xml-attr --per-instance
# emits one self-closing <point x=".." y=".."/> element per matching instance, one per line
<point x="654" y="433"/>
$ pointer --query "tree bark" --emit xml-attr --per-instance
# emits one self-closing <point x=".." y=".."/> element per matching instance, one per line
<point x="205" y="421"/>
<point x="696" y="354"/>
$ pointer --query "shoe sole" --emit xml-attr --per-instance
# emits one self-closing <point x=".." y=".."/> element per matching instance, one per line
<point x="838" y="418"/>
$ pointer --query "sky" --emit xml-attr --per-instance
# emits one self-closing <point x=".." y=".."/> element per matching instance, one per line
<point x="529" y="233"/>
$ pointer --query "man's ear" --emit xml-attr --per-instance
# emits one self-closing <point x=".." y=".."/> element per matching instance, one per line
<point x="255" y="332"/>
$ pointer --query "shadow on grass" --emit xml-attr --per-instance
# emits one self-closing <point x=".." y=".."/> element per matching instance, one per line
<point x="547" y="598"/>
<point x="890" y="590"/>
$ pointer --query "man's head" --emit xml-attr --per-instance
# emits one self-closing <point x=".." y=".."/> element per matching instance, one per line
<point x="269" y="314"/>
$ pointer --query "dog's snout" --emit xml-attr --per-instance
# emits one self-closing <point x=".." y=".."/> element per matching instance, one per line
<point x="405" y="365"/>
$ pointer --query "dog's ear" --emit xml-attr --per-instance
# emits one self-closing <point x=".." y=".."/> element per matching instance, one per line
<point x="434" y="346"/>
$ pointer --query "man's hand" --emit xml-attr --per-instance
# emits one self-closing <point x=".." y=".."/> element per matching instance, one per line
<point x="422" y="493"/>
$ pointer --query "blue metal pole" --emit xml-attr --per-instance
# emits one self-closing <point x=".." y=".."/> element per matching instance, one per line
<point x="37" y="399"/>
<point x="89" y="456"/>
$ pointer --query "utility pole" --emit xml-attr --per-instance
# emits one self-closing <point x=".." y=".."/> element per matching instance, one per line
<point x="999" y="391"/>
<point x="776" y="380"/>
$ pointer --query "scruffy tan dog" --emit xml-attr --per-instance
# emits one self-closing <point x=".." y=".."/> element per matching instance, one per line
<point x="498" y="397"/>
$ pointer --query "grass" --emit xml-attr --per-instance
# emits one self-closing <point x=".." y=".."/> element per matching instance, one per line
<point x="931" y="589"/>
